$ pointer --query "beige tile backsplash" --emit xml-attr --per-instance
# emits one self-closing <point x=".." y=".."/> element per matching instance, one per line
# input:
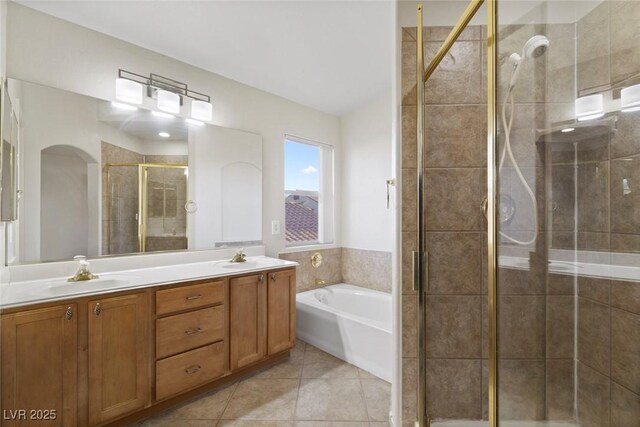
<point x="368" y="269"/>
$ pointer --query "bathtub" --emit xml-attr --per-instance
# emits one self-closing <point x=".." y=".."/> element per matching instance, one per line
<point x="349" y="322"/>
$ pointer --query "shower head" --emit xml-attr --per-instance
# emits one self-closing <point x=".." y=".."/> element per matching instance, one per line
<point x="535" y="47"/>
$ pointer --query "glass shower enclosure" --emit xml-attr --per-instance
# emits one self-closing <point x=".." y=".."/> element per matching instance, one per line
<point x="146" y="208"/>
<point x="521" y="209"/>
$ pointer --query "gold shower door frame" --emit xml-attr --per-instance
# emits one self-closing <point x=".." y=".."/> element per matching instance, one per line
<point x="143" y="182"/>
<point x="421" y="257"/>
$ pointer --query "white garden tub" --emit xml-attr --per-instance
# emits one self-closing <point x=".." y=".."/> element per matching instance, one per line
<point x="349" y="322"/>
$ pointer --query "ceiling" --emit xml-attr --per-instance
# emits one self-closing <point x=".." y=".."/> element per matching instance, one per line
<point x="333" y="56"/>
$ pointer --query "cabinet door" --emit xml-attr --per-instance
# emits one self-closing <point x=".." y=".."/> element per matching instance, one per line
<point x="39" y="367"/>
<point x="118" y="356"/>
<point x="281" y="311"/>
<point x="247" y="319"/>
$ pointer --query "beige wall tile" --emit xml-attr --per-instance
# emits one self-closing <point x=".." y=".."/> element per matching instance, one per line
<point x="454" y="263"/>
<point x="453" y="199"/>
<point x="521" y="389"/>
<point x="330" y="270"/>
<point x="625" y="407"/>
<point x="594" y="288"/>
<point x="455" y="135"/>
<point x="594" y="330"/>
<point x="593" y="397"/>
<point x="625" y="51"/>
<point x="560" y="327"/>
<point x="521" y="326"/>
<point x="559" y="389"/>
<point x="625" y="349"/>
<point x="369" y="269"/>
<point x="454" y="388"/>
<point x="454" y="326"/>
<point x="626" y="295"/>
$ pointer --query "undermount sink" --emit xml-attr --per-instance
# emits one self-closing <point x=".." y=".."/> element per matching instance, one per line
<point x="60" y="287"/>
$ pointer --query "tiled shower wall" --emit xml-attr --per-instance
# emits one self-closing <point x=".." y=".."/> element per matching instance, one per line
<point x="608" y="219"/>
<point x="455" y="115"/>
<point x="537" y="310"/>
<point x="369" y="269"/>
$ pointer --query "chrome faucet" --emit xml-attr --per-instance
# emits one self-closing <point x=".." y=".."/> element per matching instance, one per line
<point x="239" y="256"/>
<point x="83" y="274"/>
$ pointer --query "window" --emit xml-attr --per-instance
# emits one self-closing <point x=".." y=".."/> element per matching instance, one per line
<point x="308" y="192"/>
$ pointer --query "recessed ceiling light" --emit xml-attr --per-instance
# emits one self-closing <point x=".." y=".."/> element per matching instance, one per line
<point x="122" y="106"/>
<point x="163" y="115"/>
<point x="164" y="134"/>
<point x="194" y="122"/>
<point x="567" y="130"/>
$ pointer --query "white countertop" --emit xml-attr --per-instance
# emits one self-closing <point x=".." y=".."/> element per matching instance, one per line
<point x="22" y="293"/>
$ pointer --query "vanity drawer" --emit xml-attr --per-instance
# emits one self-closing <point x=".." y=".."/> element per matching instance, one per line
<point x="181" y="332"/>
<point x="187" y="370"/>
<point x="187" y="297"/>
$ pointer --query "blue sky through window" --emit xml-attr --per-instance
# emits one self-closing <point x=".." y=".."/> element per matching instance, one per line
<point x="301" y="166"/>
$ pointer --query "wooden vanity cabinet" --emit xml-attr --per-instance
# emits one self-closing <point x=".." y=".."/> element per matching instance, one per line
<point x="118" y="356"/>
<point x="39" y="367"/>
<point x="281" y="311"/>
<point x="247" y="319"/>
<point x="190" y="337"/>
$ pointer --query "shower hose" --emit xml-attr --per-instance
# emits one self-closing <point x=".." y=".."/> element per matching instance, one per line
<point x="506" y="150"/>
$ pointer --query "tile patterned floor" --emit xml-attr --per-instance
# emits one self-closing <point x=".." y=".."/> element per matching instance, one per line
<point x="311" y="389"/>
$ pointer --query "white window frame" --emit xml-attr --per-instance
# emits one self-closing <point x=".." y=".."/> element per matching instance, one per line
<point x="326" y="193"/>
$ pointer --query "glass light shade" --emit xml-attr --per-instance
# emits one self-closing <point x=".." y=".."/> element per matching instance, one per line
<point x="201" y="110"/>
<point x="128" y="91"/>
<point x="194" y="122"/>
<point x="630" y="98"/>
<point x="590" y="107"/>
<point x="168" y="101"/>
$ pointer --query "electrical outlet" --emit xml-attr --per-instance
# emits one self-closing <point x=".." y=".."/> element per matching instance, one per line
<point x="275" y="227"/>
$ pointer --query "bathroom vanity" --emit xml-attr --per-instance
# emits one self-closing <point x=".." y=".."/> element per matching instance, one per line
<point x="116" y="356"/>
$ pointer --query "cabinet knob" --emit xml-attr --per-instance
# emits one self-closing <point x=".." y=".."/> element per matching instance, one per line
<point x="261" y="279"/>
<point x="97" y="309"/>
<point x="192" y="369"/>
<point x="274" y="277"/>
<point x="69" y="313"/>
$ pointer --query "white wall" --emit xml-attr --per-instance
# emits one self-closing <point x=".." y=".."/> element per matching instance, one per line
<point x="366" y="147"/>
<point x="56" y="53"/>
<point x="3" y="50"/>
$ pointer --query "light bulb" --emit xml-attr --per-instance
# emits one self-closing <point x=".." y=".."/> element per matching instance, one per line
<point x="590" y="107"/>
<point x="201" y="110"/>
<point x="168" y="101"/>
<point x="630" y="98"/>
<point x="128" y="91"/>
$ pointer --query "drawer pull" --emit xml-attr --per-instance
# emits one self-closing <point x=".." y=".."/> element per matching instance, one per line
<point x="193" y="297"/>
<point x="192" y="369"/>
<point x="193" y="331"/>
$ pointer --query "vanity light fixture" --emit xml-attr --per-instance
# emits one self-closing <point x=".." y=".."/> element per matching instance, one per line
<point x="590" y="107"/>
<point x="630" y="98"/>
<point x="163" y="115"/>
<point x="164" y="134"/>
<point x="169" y="94"/>
<point x="567" y="130"/>
<point x="128" y="91"/>
<point x="194" y="122"/>
<point x="123" y="106"/>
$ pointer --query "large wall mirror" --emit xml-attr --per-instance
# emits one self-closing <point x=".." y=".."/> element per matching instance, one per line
<point x="9" y="148"/>
<point x="102" y="179"/>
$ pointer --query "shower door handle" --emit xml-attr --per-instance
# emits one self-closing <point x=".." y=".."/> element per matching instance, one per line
<point x="416" y="270"/>
<point x="390" y="182"/>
